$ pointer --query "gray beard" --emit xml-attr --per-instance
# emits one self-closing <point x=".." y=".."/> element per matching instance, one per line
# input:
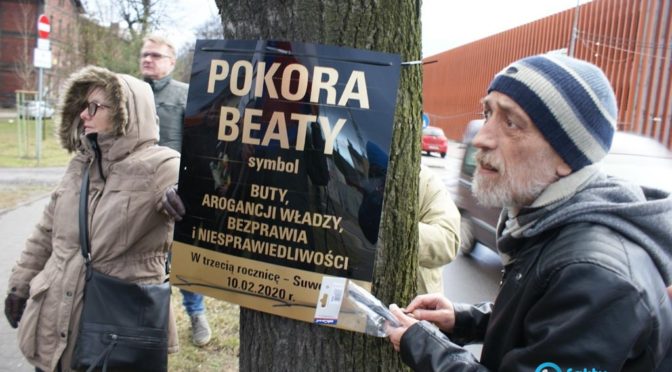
<point x="515" y="187"/>
<point x="507" y="194"/>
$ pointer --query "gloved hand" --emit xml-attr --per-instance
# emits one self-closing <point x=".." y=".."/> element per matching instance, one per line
<point x="172" y="204"/>
<point x="14" y="306"/>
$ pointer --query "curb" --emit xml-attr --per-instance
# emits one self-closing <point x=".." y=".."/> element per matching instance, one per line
<point x="24" y="203"/>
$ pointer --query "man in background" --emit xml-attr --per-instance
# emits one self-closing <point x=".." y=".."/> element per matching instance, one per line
<point x="157" y="61"/>
<point x="439" y="230"/>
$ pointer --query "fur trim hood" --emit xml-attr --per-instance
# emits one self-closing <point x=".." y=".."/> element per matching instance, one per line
<point x="134" y="113"/>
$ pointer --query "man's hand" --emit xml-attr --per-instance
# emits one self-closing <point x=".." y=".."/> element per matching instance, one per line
<point x="14" y="306"/>
<point x="434" y="308"/>
<point x="669" y="291"/>
<point x="172" y="204"/>
<point x="405" y="321"/>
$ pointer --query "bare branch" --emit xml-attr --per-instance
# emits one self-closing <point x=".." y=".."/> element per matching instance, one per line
<point x="25" y="24"/>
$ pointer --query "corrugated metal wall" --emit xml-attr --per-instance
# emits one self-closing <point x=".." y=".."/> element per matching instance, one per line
<point x="631" y="40"/>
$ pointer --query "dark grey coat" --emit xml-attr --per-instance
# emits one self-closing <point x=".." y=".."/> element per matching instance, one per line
<point x="171" y="100"/>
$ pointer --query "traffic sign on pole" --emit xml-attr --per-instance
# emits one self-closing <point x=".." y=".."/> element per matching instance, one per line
<point x="42" y="54"/>
<point x="425" y="120"/>
<point x="43" y="44"/>
<point x="41" y="58"/>
<point x="43" y="27"/>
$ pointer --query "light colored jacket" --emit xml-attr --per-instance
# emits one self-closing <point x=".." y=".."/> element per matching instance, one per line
<point x="129" y="234"/>
<point x="439" y="230"/>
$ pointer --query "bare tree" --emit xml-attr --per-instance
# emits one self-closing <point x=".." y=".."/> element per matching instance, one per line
<point x="210" y="29"/>
<point x="268" y="342"/>
<point x="141" y="16"/>
<point x="106" y="47"/>
<point x="25" y="22"/>
<point x="136" y="18"/>
<point x="112" y="35"/>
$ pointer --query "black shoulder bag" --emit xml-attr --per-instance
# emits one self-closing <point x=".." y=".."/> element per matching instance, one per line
<point x="123" y="325"/>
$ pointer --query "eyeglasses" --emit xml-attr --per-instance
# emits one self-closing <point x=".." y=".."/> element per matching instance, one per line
<point x="153" y="55"/>
<point x="93" y="107"/>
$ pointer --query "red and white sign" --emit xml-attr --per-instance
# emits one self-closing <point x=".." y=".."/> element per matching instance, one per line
<point x="43" y="27"/>
<point x="42" y="54"/>
<point x="42" y="58"/>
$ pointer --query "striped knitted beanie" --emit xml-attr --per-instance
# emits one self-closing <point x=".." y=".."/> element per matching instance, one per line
<point x="570" y="101"/>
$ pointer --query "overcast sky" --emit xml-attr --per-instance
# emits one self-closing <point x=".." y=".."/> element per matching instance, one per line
<point x="448" y="24"/>
<point x="445" y="24"/>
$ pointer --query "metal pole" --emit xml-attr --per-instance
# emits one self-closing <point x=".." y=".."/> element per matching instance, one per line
<point x="575" y="30"/>
<point x="21" y="124"/>
<point x="38" y="118"/>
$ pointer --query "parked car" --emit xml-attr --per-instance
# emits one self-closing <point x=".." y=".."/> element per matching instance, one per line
<point x="633" y="157"/>
<point x="434" y="140"/>
<point x="32" y="109"/>
<point x="477" y="223"/>
<point x="472" y="128"/>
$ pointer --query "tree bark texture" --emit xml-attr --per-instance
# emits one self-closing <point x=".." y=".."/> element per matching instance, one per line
<point x="270" y="343"/>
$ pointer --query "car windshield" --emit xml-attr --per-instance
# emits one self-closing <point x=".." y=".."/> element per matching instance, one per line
<point x="433" y="131"/>
<point x="469" y="164"/>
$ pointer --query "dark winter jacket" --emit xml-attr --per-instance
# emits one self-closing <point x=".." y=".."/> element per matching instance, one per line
<point x="584" y="288"/>
<point x="171" y="100"/>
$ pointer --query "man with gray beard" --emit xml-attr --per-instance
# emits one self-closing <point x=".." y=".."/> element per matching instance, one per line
<point x="587" y="257"/>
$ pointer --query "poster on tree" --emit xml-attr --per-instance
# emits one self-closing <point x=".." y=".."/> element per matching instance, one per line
<point x="284" y="158"/>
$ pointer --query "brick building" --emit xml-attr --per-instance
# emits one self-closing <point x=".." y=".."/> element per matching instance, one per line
<point x="631" y="40"/>
<point x="18" y="38"/>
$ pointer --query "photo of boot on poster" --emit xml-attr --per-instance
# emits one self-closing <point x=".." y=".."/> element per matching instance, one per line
<point x="284" y="159"/>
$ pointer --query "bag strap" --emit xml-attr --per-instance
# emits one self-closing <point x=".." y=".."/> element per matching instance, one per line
<point x="84" y="241"/>
<point x="83" y="223"/>
<point x="104" y="356"/>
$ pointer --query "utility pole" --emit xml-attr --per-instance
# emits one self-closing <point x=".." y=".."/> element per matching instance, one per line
<point x="575" y="30"/>
<point x="41" y="60"/>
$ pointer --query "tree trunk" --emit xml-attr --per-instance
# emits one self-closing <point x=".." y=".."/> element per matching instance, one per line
<point x="271" y="343"/>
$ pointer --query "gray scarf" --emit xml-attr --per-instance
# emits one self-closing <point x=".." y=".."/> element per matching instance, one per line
<point x="642" y="215"/>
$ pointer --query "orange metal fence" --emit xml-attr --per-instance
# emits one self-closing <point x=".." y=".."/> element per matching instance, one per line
<point x="631" y="40"/>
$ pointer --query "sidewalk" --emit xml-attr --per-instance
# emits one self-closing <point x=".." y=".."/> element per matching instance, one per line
<point x="31" y="176"/>
<point x="16" y="224"/>
<point x="12" y="180"/>
<point x="7" y="113"/>
<point x="15" y="227"/>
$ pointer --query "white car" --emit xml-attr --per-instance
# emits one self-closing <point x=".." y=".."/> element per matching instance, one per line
<point x="32" y="109"/>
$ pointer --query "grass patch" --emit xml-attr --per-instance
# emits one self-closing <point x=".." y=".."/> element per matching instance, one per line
<point x="221" y="353"/>
<point x="14" y="155"/>
<point x="13" y="195"/>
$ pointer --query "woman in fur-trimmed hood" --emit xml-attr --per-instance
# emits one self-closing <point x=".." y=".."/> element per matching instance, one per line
<point x="129" y="235"/>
